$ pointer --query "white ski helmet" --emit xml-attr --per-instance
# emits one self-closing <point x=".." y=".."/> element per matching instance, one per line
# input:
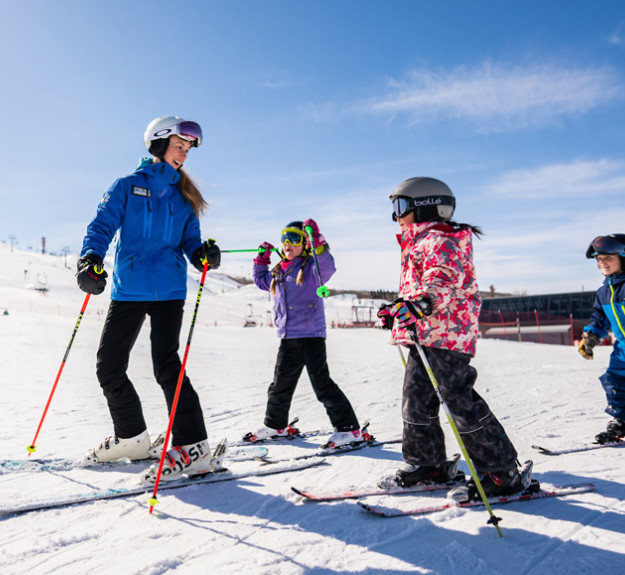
<point x="430" y="199"/>
<point x="160" y="129"/>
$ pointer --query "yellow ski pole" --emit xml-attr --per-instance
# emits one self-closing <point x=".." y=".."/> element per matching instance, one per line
<point x="426" y="364"/>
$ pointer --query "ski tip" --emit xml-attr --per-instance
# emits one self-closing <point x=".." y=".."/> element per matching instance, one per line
<point x="543" y="450"/>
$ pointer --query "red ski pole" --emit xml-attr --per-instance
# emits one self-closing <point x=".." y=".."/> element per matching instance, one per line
<point x="153" y="500"/>
<point x="32" y="447"/>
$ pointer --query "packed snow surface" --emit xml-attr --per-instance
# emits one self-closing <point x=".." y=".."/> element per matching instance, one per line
<point x="543" y="394"/>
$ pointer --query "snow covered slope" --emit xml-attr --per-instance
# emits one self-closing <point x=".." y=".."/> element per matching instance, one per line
<point x="544" y="395"/>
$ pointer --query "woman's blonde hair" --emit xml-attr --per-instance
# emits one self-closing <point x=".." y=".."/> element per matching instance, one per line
<point x="192" y="193"/>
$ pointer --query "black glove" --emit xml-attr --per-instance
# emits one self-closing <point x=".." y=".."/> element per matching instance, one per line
<point x="91" y="277"/>
<point x="588" y="341"/>
<point x="384" y="313"/>
<point x="208" y="252"/>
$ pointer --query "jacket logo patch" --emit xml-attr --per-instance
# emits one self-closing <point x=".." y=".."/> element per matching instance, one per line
<point x="137" y="191"/>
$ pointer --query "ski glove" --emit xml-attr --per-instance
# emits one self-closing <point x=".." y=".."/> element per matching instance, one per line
<point x="318" y="239"/>
<point x="91" y="277"/>
<point x="208" y="252"/>
<point x="588" y="341"/>
<point x="264" y="254"/>
<point x="386" y="317"/>
<point x="407" y="312"/>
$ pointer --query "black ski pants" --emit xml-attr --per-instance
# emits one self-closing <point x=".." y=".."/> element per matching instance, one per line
<point x="121" y="329"/>
<point x="423" y="443"/>
<point x="293" y="356"/>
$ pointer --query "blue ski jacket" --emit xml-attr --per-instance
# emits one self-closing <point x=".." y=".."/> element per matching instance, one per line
<point x="609" y="312"/>
<point x="156" y="224"/>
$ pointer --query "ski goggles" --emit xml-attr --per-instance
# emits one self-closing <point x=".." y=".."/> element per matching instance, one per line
<point x="403" y="205"/>
<point x="292" y="235"/>
<point x="189" y="131"/>
<point x="606" y="245"/>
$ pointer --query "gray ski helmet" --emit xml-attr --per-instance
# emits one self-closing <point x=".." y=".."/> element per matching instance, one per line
<point x="430" y="199"/>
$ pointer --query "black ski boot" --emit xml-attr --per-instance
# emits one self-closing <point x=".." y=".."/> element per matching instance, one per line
<point x="504" y="482"/>
<point x="614" y="432"/>
<point x="409" y="475"/>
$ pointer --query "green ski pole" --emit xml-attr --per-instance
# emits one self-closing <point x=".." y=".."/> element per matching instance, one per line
<point x="240" y="251"/>
<point x="322" y="291"/>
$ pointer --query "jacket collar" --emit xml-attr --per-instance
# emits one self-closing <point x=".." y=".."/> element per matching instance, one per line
<point x="159" y="171"/>
<point x="411" y="231"/>
<point x="614" y="279"/>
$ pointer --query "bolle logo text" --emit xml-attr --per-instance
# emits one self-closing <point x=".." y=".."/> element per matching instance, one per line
<point x="428" y="202"/>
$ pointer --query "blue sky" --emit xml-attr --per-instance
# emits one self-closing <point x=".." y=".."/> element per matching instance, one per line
<point x="319" y="109"/>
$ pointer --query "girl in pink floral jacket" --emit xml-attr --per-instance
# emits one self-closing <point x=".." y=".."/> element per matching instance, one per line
<point x="439" y="304"/>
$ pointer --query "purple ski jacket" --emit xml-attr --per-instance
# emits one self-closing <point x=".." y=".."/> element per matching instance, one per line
<point x="298" y="310"/>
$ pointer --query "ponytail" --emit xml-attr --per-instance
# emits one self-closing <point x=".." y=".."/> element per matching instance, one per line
<point x="299" y="280"/>
<point x="191" y="193"/>
<point x="477" y="231"/>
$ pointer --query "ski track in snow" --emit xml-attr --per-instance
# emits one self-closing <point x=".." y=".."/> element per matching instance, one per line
<point x="543" y="394"/>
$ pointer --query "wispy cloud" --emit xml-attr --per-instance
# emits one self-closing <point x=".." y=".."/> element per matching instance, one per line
<point x="574" y="179"/>
<point x="617" y="38"/>
<point x="496" y="97"/>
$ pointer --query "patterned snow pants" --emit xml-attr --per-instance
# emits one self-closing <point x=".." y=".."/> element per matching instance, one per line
<point x="423" y="443"/>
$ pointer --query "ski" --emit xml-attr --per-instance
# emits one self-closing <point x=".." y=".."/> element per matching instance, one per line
<point x="215" y="477"/>
<point x="422" y="509"/>
<point x="372" y="491"/>
<point x="321" y="452"/>
<point x="380" y="489"/>
<point x="66" y="464"/>
<point x="577" y="449"/>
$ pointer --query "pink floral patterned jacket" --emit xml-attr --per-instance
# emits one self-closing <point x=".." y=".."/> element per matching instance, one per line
<point x="437" y="262"/>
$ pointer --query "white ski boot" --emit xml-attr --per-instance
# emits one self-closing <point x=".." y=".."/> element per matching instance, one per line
<point x="342" y="438"/>
<point x="114" y="448"/>
<point x="265" y="432"/>
<point x="190" y="460"/>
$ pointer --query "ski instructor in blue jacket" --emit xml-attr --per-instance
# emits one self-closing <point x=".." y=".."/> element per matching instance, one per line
<point x="155" y="212"/>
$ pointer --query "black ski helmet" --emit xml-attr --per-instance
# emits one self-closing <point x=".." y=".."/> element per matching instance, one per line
<point x="610" y="245"/>
<point x="430" y="199"/>
<point x="298" y="225"/>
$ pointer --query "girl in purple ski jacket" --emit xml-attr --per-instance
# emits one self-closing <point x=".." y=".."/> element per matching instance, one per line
<point x="300" y="320"/>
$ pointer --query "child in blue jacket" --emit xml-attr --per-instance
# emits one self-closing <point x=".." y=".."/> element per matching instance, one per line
<point x="300" y="321"/>
<point x="155" y="210"/>
<point x="609" y="315"/>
